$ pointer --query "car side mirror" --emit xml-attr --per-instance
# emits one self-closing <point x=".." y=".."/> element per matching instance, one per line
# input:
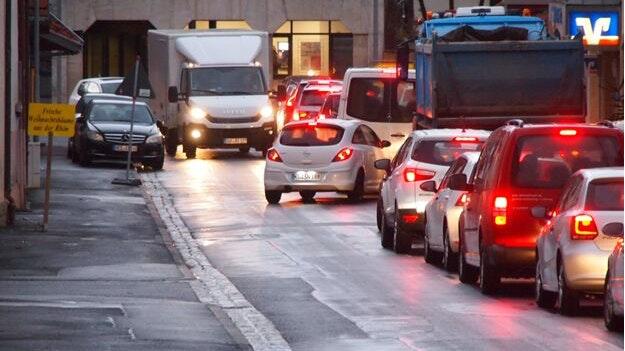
<point x="540" y="212"/>
<point x="429" y="186"/>
<point x="383" y="164"/>
<point x="614" y="229"/>
<point x="458" y="182"/>
<point x="172" y="94"/>
<point x="385" y="143"/>
<point x="281" y="93"/>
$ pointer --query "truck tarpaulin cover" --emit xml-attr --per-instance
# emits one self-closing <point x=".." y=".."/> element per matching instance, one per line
<point x="468" y="33"/>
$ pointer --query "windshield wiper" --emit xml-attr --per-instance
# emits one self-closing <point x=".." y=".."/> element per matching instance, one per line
<point x="238" y="93"/>
<point x="209" y="91"/>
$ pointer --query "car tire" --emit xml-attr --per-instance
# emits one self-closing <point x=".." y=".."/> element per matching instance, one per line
<point x="171" y="142"/>
<point x="402" y="242"/>
<point x="273" y="196"/>
<point x="489" y="274"/>
<point x="612" y="321"/>
<point x="74" y="154"/>
<point x="244" y="150"/>
<point x="429" y="255"/>
<point x="386" y="233"/>
<point x="466" y="273"/>
<point x="359" y="188"/>
<point x="544" y="299"/>
<point x="157" y="164"/>
<point x="308" y="196"/>
<point x="568" y="300"/>
<point x="69" y="149"/>
<point x="189" y="150"/>
<point x="450" y="259"/>
<point x="83" y="158"/>
<point x="378" y="214"/>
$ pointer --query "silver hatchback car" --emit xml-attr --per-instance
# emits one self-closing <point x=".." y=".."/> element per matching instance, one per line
<point x="573" y="249"/>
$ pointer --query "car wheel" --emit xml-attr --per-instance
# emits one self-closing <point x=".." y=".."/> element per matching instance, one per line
<point x="543" y="298"/>
<point x="450" y="259"/>
<point x="69" y="149"/>
<point x="612" y="322"/>
<point x="157" y="164"/>
<point x="402" y="242"/>
<point x="359" y="188"/>
<point x="489" y="275"/>
<point x="386" y="233"/>
<point x="244" y="149"/>
<point x="273" y="196"/>
<point x="378" y="214"/>
<point x="189" y="150"/>
<point x="308" y="196"/>
<point x="171" y="142"/>
<point x="467" y="273"/>
<point x="568" y="300"/>
<point x="264" y="152"/>
<point x="429" y="255"/>
<point x="83" y="158"/>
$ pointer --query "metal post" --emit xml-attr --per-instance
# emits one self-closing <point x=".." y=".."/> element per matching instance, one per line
<point x="132" y="118"/>
<point x="37" y="57"/>
<point x="46" y="201"/>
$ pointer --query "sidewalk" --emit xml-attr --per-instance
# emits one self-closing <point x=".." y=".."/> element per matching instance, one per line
<point x="101" y="277"/>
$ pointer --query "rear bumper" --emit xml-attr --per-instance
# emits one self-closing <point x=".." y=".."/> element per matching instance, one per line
<point x="281" y="177"/>
<point x="513" y="262"/>
<point x="259" y="138"/>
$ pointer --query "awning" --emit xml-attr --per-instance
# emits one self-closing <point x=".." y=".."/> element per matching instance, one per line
<point x="57" y="38"/>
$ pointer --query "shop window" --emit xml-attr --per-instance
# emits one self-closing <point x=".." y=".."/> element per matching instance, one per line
<point x="312" y="48"/>
<point x="214" y="24"/>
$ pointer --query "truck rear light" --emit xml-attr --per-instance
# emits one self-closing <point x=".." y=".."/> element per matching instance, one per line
<point x="583" y="227"/>
<point x="568" y="132"/>
<point x="343" y="155"/>
<point x="273" y="155"/>
<point x="414" y="174"/>
<point x="500" y="210"/>
<point x="462" y="199"/>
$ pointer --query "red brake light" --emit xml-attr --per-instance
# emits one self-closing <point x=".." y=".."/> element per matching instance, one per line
<point x="273" y="155"/>
<point x="466" y="139"/>
<point x="583" y="227"/>
<point x="568" y="132"/>
<point x="413" y="175"/>
<point x="462" y="199"/>
<point x="322" y="116"/>
<point x="343" y="155"/>
<point x="296" y="115"/>
<point x="501" y="203"/>
<point x="410" y="218"/>
<point x="500" y="210"/>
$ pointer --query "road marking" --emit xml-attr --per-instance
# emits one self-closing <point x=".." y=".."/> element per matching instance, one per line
<point x="211" y="286"/>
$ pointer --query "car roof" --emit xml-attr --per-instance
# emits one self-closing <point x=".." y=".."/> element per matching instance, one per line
<point x="343" y="123"/>
<point x="103" y="79"/>
<point x="601" y="173"/>
<point x="533" y="128"/>
<point x="118" y="102"/>
<point x="437" y="133"/>
<point x="471" y="156"/>
<point x="107" y="96"/>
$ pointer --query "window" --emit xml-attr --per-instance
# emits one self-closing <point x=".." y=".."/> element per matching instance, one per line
<point x="569" y="195"/>
<point x="359" y="137"/>
<point x="109" y="87"/>
<point x="366" y="99"/>
<point x="307" y="135"/>
<point x="205" y="81"/>
<point x="405" y="104"/>
<point x="371" y="137"/>
<point x="546" y="161"/>
<point x="313" y="97"/>
<point x="213" y="24"/>
<point x="401" y="153"/>
<point x="103" y="112"/>
<point x="442" y="152"/>
<point x="456" y="168"/>
<point x="605" y="195"/>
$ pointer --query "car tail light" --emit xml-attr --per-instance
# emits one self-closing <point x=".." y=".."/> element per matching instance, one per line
<point x="583" y="227"/>
<point x="462" y="199"/>
<point x="500" y="210"/>
<point x="322" y="116"/>
<point x="466" y="139"/>
<point x="343" y="155"/>
<point x="414" y="174"/>
<point x="568" y="132"/>
<point x="273" y="155"/>
<point x="410" y="218"/>
<point x="302" y="115"/>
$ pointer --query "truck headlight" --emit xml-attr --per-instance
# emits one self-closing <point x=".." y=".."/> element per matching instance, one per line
<point x="154" y="139"/>
<point x="266" y="111"/>
<point x="197" y="114"/>
<point x="95" y="136"/>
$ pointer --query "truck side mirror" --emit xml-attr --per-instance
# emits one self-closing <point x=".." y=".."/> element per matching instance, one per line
<point x="281" y="93"/>
<point x="458" y="182"/>
<point x="172" y="94"/>
<point x="403" y="58"/>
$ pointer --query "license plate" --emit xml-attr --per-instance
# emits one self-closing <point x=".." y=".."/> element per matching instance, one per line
<point x="124" y="148"/>
<point x="235" y="141"/>
<point x="306" y="176"/>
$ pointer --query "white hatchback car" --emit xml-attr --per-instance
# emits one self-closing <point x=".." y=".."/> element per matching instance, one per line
<point x="425" y="155"/>
<point x="442" y="214"/>
<point x="572" y="250"/>
<point x="331" y="155"/>
<point x="104" y="85"/>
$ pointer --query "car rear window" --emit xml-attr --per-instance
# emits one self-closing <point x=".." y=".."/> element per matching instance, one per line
<point x="605" y="195"/>
<point x="307" y="135"/>
<point x="545" y="161"/>
<point x="443" y="152"/>
<point x="313" y="97"/>
<point x="110" y="87"/>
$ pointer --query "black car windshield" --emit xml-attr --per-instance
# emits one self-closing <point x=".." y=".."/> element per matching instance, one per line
<point x="111" y="112"/>
<point x="309" y="135"/>
<point x="443" y="152"/>
<point x="605" y="195"/>
<point x="547" y="161"/>
<point x="109" y="87"/>
<point x="226" y="81"/>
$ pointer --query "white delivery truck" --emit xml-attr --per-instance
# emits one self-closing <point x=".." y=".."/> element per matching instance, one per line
<point x="212" y="88"/>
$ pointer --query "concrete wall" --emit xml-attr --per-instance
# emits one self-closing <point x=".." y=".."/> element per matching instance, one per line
<point x="266" y="15"/>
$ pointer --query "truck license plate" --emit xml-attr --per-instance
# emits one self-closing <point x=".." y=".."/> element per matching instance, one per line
<point x="235" y="141"/>
<point x="307" y="176"/>
<point x="124" y="148"/>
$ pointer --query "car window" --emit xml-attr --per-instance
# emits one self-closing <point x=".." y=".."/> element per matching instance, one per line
<point x="605" y="195"/>
<point x="109" y="87"/>
<point x="442" y="151"/>
<point x="311" y="135"/>
<point x="371" y="137"/>
<point x="568" y="197"/>
<point x="401" y="153"/>
<point x="456" y="168"/>
<point x="366" y="99"/>
<point x="313" y="97"/>
<point x="545" y="161"/>
<point x="359" y="137"/>
<point x="405" y="98"/>
<point x="111" y="112"/>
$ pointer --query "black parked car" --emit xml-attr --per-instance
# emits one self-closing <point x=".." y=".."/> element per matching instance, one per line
<point x="103" y="132"/>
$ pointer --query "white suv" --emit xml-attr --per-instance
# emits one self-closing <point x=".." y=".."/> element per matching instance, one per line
<point x="425" y="155"/>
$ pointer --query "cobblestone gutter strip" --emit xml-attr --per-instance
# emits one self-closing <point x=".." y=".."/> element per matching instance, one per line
<point x="211" y="286"/>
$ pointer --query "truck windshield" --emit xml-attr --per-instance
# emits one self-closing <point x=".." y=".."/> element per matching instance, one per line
<point x="226" y="81"/>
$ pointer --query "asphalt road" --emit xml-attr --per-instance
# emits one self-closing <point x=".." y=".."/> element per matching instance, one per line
<point x="318" y="273"/>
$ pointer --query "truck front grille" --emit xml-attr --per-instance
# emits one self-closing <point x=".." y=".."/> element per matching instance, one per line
<point x="234" y="119"/>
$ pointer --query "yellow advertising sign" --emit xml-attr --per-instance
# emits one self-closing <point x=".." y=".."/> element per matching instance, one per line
<point x="56" y="118"/>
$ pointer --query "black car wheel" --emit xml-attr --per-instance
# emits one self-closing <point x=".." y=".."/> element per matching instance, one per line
<point x="611" y="320"/>
<point x="386" y="233"/>
<point x="450" y="259"/>
<point x="568" y="300"/>
<point x="359" y="188"/>
<point x="308" y="196"/>
<point x="189" y="150"/>
<point x="489" y="274"/>
<point x="171" y="142"/>
<point x="402" y="241"/>
<point x="543" y="298"/>
<point x="83" y="158"/>
<point x="273" y="196"/>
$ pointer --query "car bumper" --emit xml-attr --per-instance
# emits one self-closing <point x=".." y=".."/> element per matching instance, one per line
<point x="105" y="151"/>
<point x="258" y="137"/>
<point x="281" y="177"/>
<point x="513" y="262"/>
<point x="411" y="222"/>
<point x="585" y="267"/>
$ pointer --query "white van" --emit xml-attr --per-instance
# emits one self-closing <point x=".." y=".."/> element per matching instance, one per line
<point x="382" y="101"/>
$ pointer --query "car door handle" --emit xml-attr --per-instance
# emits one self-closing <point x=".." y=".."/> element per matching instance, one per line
<point x="398" y="135"/>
